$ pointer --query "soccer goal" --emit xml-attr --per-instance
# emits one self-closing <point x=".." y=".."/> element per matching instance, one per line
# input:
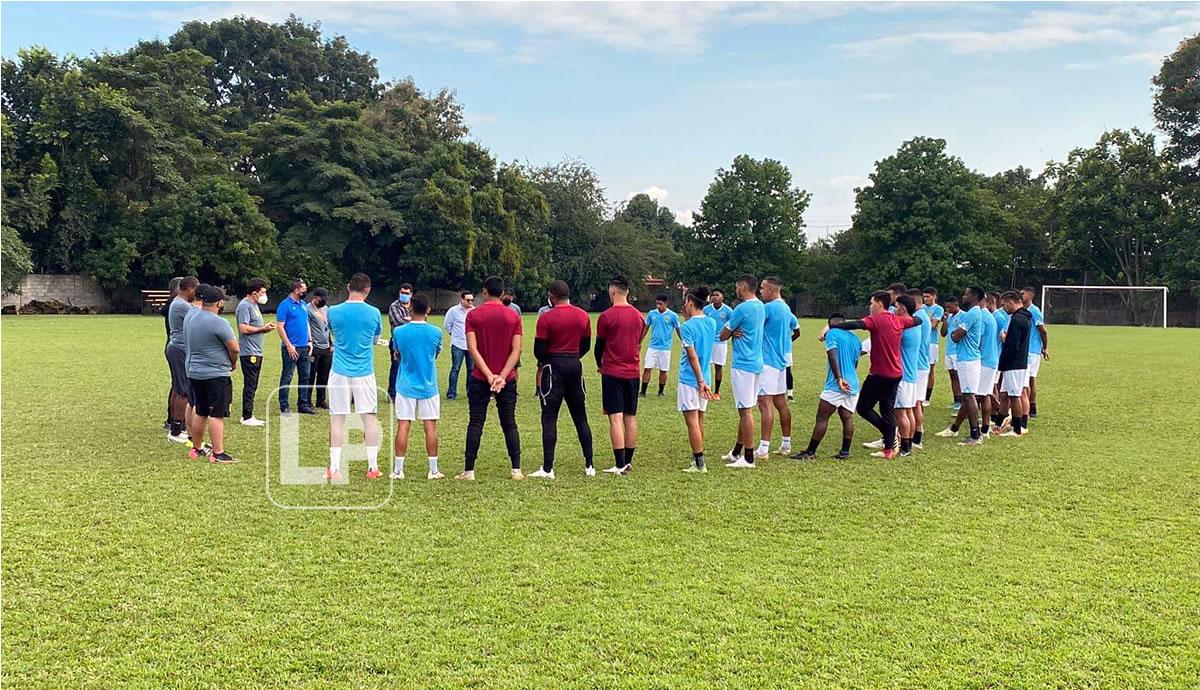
<point x="1105" y="305"/>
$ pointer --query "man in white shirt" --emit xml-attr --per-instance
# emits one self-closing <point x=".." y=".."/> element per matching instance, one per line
<point x="456" y="325"/>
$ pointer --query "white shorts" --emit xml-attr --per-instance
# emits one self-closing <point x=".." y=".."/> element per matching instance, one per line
<point x="840" y="399"/>
<point x="359" y="389"/>
<point x="788" y="358"/>
<point x="906" y="395"/>
<point x="720" y="353"/>
<point x="922" y="384"/>
<point x="987" y="379"/>
<point x="1013" y="382"/>
<point x="968" y="378"/>
<point x="772" y="381"/>
<point x="951" y="362"/>
<point x="866" y="346"/>
<point x="658" y="359"/>
<point x="690" y="399"/>
<point x="745" y="389"/>
<point x="1035" y="363"/>
<point x="933" y="353"/>
<point x="413" y="409"/>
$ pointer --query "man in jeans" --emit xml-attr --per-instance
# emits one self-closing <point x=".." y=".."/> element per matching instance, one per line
<point x="494" y="341"/>
<point x="250" y="329"/>
<point x="399" y="313"/>
<point x="456" y="325"/>
<point x="884" y="377"/>
<point x="291" y="321"/>
<point x="322" y="348"/>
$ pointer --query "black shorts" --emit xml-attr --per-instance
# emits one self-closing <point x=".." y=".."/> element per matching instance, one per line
<point x="212" y="396"/>
<point x="177" y="363"/>
<point x="619" y="396"/>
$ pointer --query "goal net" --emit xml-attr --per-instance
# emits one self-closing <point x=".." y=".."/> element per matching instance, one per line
<point x="1105" y="305"/>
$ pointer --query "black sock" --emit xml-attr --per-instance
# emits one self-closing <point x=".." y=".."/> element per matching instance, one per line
<point x="619" y="456"/>
<point x="812" y="445"/>
<point x="717" y="386"/>
<point x="1032" y="408"/>
<point x="749" y="456"/>
<point x="905" y="445"/>
<point x="698" y="458"/>
<point x="917" y="436"/>
<point x="1016" y="425"/>
<point x="661" y="386"/>
<point x="846" y="445"/>
<point x="176" y="428"/>
<point x="644" y="386"/>
<point x="975" y="433"/>
<point x="737" y="450"/>
<point x="629" y="456"/>
<point x="954" y="427"/>
<point x="928" y="394"/>
<point x="1024" y="421"/>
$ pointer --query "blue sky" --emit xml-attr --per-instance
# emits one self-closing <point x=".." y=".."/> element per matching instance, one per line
<point x="657" y="96"/>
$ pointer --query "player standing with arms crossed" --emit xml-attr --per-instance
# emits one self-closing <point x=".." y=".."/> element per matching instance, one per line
<point x="718" y="311"/>
<point x="936" y="313"/>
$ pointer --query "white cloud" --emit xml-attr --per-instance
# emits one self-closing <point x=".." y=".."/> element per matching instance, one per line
<point x="657" y="193"/>
<point x="684" y="217"/>
<point x="849" y="181"/>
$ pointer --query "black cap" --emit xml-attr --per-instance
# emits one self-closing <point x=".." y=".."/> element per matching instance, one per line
<point x="212" y="294"/>
<point x="320" y="292"/>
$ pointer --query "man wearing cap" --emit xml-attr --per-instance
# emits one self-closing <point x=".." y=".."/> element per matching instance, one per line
<point x="399" y="313"/>
<point x="322" y="347"/>
<point x="291" y="320"/>
<point x="212" y="355"/>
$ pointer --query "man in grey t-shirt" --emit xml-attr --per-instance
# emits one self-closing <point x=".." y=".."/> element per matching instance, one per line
<point x="177" y="357"/>
<point x="322" y="347"/>
<point x="250" y="340"/>
<point x="212" y="355"/>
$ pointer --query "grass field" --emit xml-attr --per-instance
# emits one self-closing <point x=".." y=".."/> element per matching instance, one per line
<point x="1070" y="558"/>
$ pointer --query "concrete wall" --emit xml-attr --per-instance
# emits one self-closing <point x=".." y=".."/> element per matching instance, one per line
<point x="76" y="290"/>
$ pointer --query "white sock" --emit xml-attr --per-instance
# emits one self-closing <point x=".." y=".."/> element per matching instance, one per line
<point x="764" y="445"/>
<point x="335" y="459"/>
<point x="786" y="441"/>
<point x="433" y="464"/>
<point x="398" y="467"/>
<point x="373" y="458"/>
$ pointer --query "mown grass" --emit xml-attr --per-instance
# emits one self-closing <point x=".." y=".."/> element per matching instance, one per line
<point x="1066" y="559"/>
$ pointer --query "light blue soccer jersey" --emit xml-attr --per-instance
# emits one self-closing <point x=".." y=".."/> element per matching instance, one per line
<point x="1002" y="319"/>
<point x="720" y="316"/>
<point x="970" y="347"/>
<point x="989" y="346"/>
<point x="662" y="326"/>
<point x="849" y="348"/>
<point x="910" y="353"/>
<point x="418" y="343"/>
<point x="748" y="350"/>
<point x="1035" y="336"/>
<point x="926" y="339"/>
<point x="355" y="326"/>
<point x="697" y="333"/>
<point x="935" y="311"/>
<point x="778" y="324"/>
<point x="951" y="324"/>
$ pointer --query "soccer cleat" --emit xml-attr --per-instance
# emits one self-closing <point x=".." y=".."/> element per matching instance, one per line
<point x="716" y="397"/>
<point x="889" y="454"/>
<point x="662" y="395"/>
<point x="641" y="395"/>
<point x="804" y="455"/>
<point x="625" y="471"/>
<point x="760" y="454"/>
<point x="741" y="464"/>
<point x="730" y="457"/>
<point x="790" y="396"/>
<point x="784" y="449"/>
<point x="692" y="469"/>
<point x="178" y="438"/>
<point x="971" y="442"/>
<point x="374" y="474"/>
<point x="197" y="453"/>
<point x="841" y="456"/>
<point x="333" y="475"/>
<point x="518" y="475"/>
<point x="919" y="446"/>
<point x="541" y="474"/>
<point x="614" y="470"/>
<point x="906" y="453"/>
<point x="253" y="421"/>
<point x="589" y="471"/>
<point x="1011" y="434"/>
<point x="876" y="444"/>
<point x="466" y="475"/>
<point x="432" y="475"/>
<point x="396" y="475"/>
<point x="946" y="433"/>
<point x="307" y="409"/>
<point x="221" y="459"/>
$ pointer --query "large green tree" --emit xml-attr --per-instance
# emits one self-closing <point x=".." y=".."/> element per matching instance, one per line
<point x="1177" y="101"/>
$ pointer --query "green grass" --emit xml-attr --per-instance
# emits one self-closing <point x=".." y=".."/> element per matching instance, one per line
<point x="1067" y="559"/>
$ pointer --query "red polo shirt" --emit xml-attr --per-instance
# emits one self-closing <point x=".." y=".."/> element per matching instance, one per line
<point x="885" y="328"/>
<point x="621" y="329"/>
<point x="562" y="328"/>
<point x="494" y="326"/>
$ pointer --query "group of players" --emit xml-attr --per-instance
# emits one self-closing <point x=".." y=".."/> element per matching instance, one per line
<point x="994" y="342"/>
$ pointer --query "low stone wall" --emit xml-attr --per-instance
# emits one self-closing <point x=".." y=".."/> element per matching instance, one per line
<point x="76" y="290"/>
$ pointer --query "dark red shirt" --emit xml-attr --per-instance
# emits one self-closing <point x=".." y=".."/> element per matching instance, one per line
<point x="494" y="326"/>
<point x="885" y="328"/>
<point x="562" y="328"/>
<point x="621" y="329"/>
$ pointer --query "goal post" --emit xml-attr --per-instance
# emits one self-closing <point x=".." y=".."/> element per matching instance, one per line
<point x="1110" y="305"/>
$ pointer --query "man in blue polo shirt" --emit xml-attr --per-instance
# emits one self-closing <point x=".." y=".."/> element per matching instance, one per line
<point x="291" y="321"/>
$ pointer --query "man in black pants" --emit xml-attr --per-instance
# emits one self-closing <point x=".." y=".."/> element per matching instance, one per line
<point x="251" y="330"/>
<point x="884" y="378"/>
<point x="494" y="342"/>
<point x="564" y="335"/>
<point x="321" y="358"/>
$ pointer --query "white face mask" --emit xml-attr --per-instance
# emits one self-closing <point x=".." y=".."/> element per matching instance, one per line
<point x="262" y="298"/>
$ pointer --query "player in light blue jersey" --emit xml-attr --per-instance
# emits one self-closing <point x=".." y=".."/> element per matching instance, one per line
<point x="780" y="328"/>
<point x="696" y="337"/>
<point x="1039" y="346"/>
<point x="719" y="311"/>
<point x="936" y="315"/>
<point x="947" y="327"/>
<point x="745" y="327"/>
<point x="661" y="324"/>
<point x="968" y="339"/>
<point x="842" y="350"/>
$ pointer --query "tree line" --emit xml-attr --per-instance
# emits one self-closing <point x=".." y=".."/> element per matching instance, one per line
<point x="239" y="148"/>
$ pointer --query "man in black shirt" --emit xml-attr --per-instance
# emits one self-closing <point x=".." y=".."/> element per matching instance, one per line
<point x="1014" y="358"/>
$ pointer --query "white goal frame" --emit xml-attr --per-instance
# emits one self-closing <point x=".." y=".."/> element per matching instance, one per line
<point x="1161" y="288"/>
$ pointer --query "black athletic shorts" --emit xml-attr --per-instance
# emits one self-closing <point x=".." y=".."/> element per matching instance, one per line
<point x="177" y="362"/>
<point x="213" y="396"/>
<point x="619" y="396"/>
